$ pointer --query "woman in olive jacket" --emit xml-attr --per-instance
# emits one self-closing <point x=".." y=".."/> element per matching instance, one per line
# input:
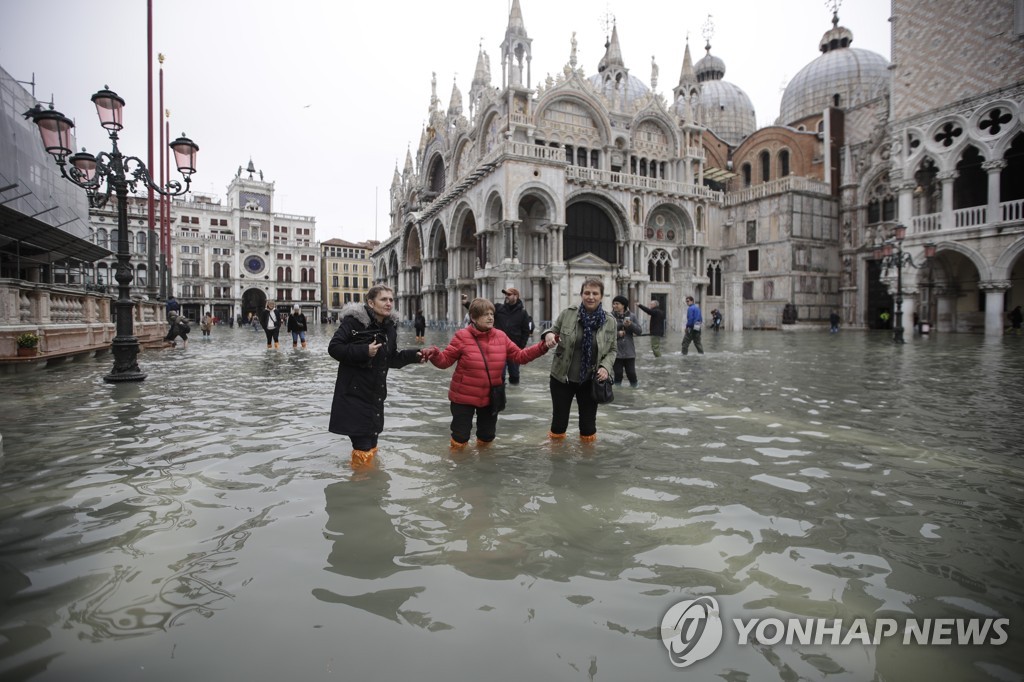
<point x="366" y="347"/>
<point x="585" y="339"/>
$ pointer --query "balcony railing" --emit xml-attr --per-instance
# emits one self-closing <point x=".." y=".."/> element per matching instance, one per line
<point x="583" y="174"/>
<point x="788" y="184"/>
<point x="972" y="216"/>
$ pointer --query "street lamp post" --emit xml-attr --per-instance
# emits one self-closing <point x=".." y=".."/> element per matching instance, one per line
<point x="120" y="173"/>
<point x="899" y="259"/>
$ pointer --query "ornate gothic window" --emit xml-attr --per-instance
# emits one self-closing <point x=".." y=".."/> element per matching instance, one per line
<point x="659" y="266"/>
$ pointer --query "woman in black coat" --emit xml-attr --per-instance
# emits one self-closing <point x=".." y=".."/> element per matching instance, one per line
<point x="366" y="347"/>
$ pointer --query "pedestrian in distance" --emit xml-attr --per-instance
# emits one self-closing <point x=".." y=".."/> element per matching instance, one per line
<point x="479" y="353"/>
<point x="833" y="322"/>
<point x="179" y="326"/>
<point x="1016" y="317"/>
<point x="584" y="338"/>
<point x="172" y="306"/>
<point x="626" y="327"/>
<point x="420" y="323"/>
<point x="366" y="347"/>
<point x="511" y="317"/>
<point x="716" y="320"/>
<point x="297" y="326"/>
<point x="270" y="320"/>
<point x="656" y="329"/>
<point x="694" y="323"/>
<point x="206" y="324"/>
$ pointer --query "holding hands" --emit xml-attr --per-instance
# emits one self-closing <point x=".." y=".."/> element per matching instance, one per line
<point x="427" y="353"/>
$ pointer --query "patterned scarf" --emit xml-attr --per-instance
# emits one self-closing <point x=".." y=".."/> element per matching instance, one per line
<point x="590" y="322"/>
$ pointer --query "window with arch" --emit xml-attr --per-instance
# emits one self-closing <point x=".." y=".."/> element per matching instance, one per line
<point x="280" y="274"/>
<point x="288" y="274"/>
<point x="659" y="266"/>
<point x="766" y="166"/>
<point x="970" y="188"/>
<point x="140" y="275"/>
<point x="140" y="241"/>
<point x="783" y="163"/>
<point x="747" y="174"/>
<point x="714" y="278"/>
<point x="102" y="239"/>
<point x="881" y="203"/>
<point x="589" y="229"/>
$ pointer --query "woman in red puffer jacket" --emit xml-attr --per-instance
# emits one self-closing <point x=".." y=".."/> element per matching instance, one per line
<point x="470" y="390"/>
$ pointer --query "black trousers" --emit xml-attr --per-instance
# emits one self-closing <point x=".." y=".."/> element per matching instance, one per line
<point x="561" y="403"/>
<point x="629" y="364"/>
<point x="364" y="441"/>
<point x="462" y="422"/>
<point x="272" y="335"/>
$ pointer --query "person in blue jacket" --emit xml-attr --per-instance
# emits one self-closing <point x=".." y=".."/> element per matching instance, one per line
<point x="694" y="322"/>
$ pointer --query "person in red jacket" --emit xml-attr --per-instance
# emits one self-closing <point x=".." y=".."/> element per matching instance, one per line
<point x="470" y="389"/>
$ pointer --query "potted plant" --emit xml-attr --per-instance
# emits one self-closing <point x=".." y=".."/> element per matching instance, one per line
<point x="28" y="344"/>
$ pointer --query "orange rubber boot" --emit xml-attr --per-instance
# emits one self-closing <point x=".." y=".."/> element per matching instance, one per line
<point x="363" y="459"/>
<point x="592" y="438"/>
<point x="455" y="445"/>
<point x="556" y="436"/>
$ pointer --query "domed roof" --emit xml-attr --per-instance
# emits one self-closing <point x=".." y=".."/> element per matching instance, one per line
<point x="727" y="111"/>
<point x="849" y="73"/>
<point x="724" y="108"/>
<point x="607" y="86"/>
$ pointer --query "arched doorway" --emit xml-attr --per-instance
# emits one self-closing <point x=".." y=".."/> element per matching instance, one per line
<point x="253" y="301"/>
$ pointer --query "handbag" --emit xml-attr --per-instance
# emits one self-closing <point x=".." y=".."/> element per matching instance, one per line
<point x="601" y="391"/>
<point x="498" y="399"/>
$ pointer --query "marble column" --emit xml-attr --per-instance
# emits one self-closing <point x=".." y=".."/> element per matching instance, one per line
<point x="993" y="168"/>
<point x="995" y="299"/>
<point x="947" y="178"/>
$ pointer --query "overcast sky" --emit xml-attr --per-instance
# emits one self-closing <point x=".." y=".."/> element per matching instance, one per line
<point x="325" y="96"/>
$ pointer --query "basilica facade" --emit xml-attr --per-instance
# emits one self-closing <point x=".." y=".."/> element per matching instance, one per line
<point x="540" y="185"/>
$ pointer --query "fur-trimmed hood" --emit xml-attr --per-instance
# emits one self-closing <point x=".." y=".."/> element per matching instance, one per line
<point x="362" y="314"/>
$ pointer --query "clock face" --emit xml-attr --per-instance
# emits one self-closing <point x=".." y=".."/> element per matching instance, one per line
<point x="254" y="264"/>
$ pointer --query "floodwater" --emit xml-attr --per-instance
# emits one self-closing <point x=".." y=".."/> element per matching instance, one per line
<point x="203" y="525"/>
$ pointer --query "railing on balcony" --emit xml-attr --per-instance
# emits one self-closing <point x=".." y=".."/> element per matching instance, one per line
<point x="972" y="216"/>
<point x="1012" y="210"/>
<point x="627" y="180"/>
<point x="792" y="183"/>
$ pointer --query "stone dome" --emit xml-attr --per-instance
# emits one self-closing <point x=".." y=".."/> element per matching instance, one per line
<point x="724" y="108"/>
<point x="635" y="88"/>
<point x="727" y="111"/>
<point x="848" y="73"/>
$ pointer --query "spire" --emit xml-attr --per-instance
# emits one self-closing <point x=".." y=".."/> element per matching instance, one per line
<point x="613" y="53"/>
<point x="481" y="80"/>
<point x="516" y="25"/>
<point x="516" y="50"/>
<point x="434" y="101"/>
<point x="396" y="180"/>
<point x="408" y="163"/>
<point x="455" y="104"/>
<point x="687" y="76"/>
<point x="482" y="74"/>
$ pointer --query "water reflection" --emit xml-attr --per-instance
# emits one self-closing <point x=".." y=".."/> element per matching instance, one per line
<point x="826" y="476"/>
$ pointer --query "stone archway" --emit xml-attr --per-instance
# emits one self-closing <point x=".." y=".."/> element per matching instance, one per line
<point x="253" y="301"/>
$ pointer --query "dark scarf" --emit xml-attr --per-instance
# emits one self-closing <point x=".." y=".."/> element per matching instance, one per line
<point x="590" y="322"/>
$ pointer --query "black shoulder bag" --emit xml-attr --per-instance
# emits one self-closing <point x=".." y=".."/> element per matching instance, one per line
<point x="497" y="392"/>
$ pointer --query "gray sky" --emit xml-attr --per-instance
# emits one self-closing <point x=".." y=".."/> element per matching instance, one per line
<point x="325" y="96"/>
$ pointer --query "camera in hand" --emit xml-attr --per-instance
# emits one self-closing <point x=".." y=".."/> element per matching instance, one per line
<point x="368" y="336"/>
